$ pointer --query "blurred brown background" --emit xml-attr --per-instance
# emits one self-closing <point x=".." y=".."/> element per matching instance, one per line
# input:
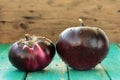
<point x="50" y="17"/>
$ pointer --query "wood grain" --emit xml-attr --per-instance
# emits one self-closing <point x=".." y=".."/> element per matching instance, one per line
<point x="50" y="17"/>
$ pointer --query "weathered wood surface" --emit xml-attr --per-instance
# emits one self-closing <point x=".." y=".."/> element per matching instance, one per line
<point x="57" y="70"/>
<point x="7" y="71"/>
<point x="97" y="73"/>
<point x="112" y="62"/>
<point x="49" y="17"/>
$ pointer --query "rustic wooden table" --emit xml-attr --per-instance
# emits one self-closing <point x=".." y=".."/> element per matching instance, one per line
<point x="109" y="69"/>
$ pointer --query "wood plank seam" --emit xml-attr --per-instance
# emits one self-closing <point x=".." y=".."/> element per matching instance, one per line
<point x="68" y="73"/>
<point x="111" y="63"/>
<point x="25" y="76"/>
<point x="7" y="71"/>
<point x="106" y="72"/>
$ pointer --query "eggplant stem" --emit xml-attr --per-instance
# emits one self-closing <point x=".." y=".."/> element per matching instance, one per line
<point x="81" y="22"/>
<point x="27" y="37"/>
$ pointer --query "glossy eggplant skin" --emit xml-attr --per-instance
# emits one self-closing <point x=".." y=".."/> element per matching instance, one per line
<point x="82" y="48"/>
<point x="31" y="58"/>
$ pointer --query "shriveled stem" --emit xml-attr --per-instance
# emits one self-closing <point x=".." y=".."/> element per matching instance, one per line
<point x="81" y="22"/>
<point x="27" y="37"/>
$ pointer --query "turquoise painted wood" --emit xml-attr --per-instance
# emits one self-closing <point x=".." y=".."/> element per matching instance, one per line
<point x="96" y="73"/>
<point x="7" y="71"/>
<point x="57" y="70"/>
<point x="108" y="70"/>
<point x="112" y="62"/>
<point x="4" y="57"/>
<point x="3" y="47"/>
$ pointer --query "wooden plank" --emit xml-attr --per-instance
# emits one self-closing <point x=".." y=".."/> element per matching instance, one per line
<point x="49" y="28"/>
<point x="4" y="59"/>
<point x="33" y="29"/>
<point x="112" y="62"/>
<point x="50" y="17"/>
<point x="57" y="70"/>
<point x="96" y="73"/>
<point x="7" y="71"/>
<point x="11" y="75"/>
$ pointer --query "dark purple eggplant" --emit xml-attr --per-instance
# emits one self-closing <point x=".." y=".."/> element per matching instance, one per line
<point x="31" y="53"/>
<point x="82" y="47"/>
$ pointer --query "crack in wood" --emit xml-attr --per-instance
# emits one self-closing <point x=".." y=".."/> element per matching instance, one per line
<point x="25" y="76"/>
<point x="31" y="17"/>
<point x="106" y="72"/>
<point x="68" y="73"/>
<point x="31" y="11"/>
<point x="3" y="22"/>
